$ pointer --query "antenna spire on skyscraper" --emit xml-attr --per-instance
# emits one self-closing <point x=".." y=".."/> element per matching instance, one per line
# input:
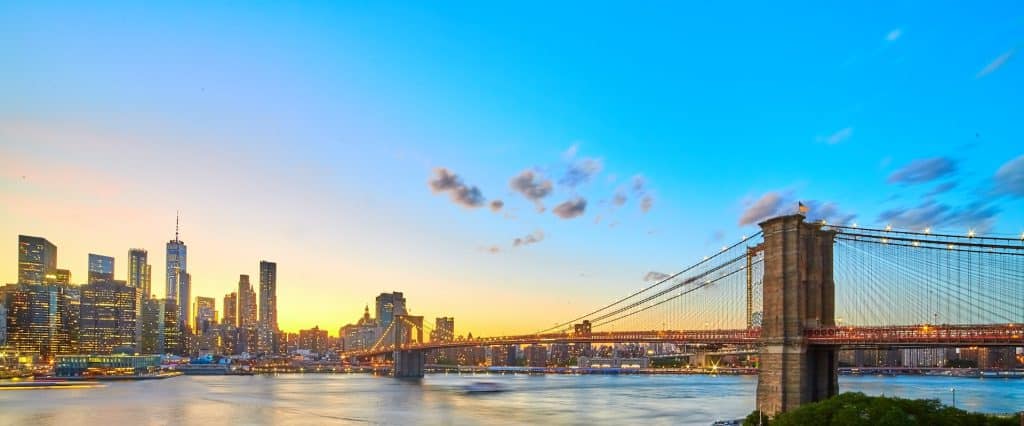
<point x="177" y="224"/>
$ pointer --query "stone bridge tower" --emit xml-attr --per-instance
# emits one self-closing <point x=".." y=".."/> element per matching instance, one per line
<point x="799" y="294"/>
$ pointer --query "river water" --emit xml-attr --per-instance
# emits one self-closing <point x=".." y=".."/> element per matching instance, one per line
<point x="438" y="399"/>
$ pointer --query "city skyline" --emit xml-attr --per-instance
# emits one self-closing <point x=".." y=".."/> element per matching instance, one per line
<point x="388" y="148"/>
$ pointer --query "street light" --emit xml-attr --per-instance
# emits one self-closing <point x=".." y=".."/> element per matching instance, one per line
<point x="954" y="396"/>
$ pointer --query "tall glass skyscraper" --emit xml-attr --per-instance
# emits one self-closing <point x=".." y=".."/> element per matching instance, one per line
<point x="177" y="267"/>
<point x="37" y="258"/>
<point x="178" y="285"/>
<point x="268" y="295"/>
<point x="139" y="272"/>
<point x="101" y="268"/>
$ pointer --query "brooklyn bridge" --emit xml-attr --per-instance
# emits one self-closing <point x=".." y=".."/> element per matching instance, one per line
<point x="798" y="292"/>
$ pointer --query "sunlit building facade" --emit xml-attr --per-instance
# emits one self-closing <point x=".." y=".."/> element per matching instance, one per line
<point x="444" y="329"/>
<point x="61" y="276"/>
<point x="205" y="314"/>
<point x="313" y="340"/>
<point x="140" y="272"/>
<point x="101" y="268"/>
<point x="230" y="315"/>
<point x="34" y="320"/>
<point x="37" y="258"/>
<point x="108" y="317"/>
<point x="536" y="355"/>
<point x="363" y="334"/>
<point x="389" y="305"/>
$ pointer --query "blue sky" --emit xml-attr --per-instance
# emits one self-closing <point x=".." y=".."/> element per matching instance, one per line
<point x="308" y="134"/>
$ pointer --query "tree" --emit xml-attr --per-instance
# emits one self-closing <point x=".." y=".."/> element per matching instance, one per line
<point x="854" y="408"/>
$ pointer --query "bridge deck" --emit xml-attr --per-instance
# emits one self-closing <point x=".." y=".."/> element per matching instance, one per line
<point x="851" y="336"/>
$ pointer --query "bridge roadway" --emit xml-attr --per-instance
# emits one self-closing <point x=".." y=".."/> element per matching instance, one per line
<point x="845" y="336"/>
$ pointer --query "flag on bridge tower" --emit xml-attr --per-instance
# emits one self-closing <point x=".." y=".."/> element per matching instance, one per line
<point x="801" y="208"/>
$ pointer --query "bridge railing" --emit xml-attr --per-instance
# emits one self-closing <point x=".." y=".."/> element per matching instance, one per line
<point x="926" y="335"/>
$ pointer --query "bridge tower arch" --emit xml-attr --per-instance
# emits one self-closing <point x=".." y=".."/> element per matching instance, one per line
<point x="799" y="294"/>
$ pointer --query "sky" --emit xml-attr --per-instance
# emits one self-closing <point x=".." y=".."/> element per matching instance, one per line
<point x="509" y="164"/>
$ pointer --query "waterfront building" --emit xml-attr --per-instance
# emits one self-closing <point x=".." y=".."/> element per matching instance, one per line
<point x="37" y="258"/>
<point x="536" y="355"/>
<point x="173" y="338"/>
<point x="230" y="316"/>
<point x="313" y="340"/>
<point x="105" y="364"/>
<point x="473" y="355"/>
<point x="108" y="317"/>
<point x="101" y="268"/>
<point x="140" y="272"/>
<point x="558" y="354"/>
<point x="925" y="357"/>
<point x="615" y="362"/>
<point x="389" y="305"/>
<point x="3" y="321"/>
<point x="35" y="319"/>
<point x="504" y="355"/>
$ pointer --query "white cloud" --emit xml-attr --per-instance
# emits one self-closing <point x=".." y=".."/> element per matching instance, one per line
<point x="996" y="63"/>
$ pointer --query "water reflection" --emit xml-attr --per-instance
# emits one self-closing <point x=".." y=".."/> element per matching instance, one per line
<point x="441" y="399"/>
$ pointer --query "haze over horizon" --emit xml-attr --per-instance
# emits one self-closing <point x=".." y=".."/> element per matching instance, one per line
<point x="476" y="156"/>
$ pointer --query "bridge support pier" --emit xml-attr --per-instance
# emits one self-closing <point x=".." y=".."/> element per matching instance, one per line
<point x="799" y="294"/>
<point x="408" y="364"/>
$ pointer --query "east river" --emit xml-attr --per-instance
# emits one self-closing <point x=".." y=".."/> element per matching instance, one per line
<point x="313" y="399"/>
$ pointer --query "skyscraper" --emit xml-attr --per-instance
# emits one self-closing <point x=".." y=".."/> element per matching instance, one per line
<point x="101" y="268"/>
<point x="35" y="315"/>
<point x="108" y="316"/>
<point x="139" y="271"/>
<point x="37" y="258"/>
<point x="177" y="266"/>
<point x="172" y="336"/>
<point x="268" y="295"/>
<point x="206" y="314"/>
<point x="247" y="313"/>
<point x="230" y="316"/>
<point x="389" y="305"/>
<point x="153" y="321"/>
<point x="184" y="296"/>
